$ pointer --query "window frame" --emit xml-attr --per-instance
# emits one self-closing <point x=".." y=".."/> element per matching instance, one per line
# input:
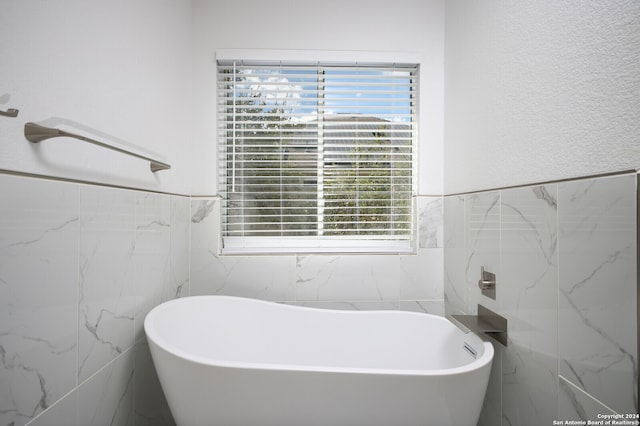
<point x="231" y="245"/>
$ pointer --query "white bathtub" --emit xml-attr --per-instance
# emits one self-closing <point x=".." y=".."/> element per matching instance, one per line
<point x="235" y="361"/>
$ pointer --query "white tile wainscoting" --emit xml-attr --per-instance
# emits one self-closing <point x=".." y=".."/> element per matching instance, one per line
<point x="351" y="281"/>
<point x="565" y="260"/>
<point x="80" y="266"/>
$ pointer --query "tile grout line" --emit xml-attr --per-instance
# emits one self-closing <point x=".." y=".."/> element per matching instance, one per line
<point x="582" y="391"/>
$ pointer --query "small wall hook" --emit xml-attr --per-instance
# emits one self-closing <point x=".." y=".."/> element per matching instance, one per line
<point x="11" y="112"/>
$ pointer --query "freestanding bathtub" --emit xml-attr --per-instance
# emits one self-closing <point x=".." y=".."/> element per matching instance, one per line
<point x="235" y="361"/>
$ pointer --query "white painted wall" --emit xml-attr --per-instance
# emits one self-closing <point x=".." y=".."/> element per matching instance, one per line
<point x="534" y="90"/>
<point x="127" y="69"/>
<point x="119" y="67"/>
<point x="331" y="25"/>
<point x="540" y="90"/>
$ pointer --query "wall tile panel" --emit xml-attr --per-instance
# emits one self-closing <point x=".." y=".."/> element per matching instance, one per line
<point x="575" y="404"/>
<point x="482" y="243"/>
<point x="566" y="282"/>
<point x="151" y="254"/>
<point x="80" y="266"/>
<point x="598" y="289"/>
<point x="430" y="222"/>
<point x="107" y="398"/>
<point x="107" y="278"/>
<point x="151" y="408"/>
<point x="39" y="232"/>
<point x="528" y="289"/>
<point x="456" y="288"/>
<point x="348" y="277"/>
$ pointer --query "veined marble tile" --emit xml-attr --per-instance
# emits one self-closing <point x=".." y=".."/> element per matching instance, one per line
<point x="455" y="281"/>
<point x="527" y="287"/>
<point x="528" y="281"/>
<point x="597" y="317"/>
<point x="39" y="231"/>
<point x="260" y="277"/>
<point x="433" y="307"/>
<point x="204" y="263"/>
<point x="63" y="413"/>
<point x="348" y="277"/>
<point x="152" y="220"/>
<point x="368" y="305"/>
<point x="491" y="414"/>
<point x="529" y="384"/>
<point x="204" y="223"/>
<point x="107" y="397"/>
<point x="482" y="241"/>
<point x="430" y="222"/>
<point x="177" y="283"/>
<point x="421" y="276"/>
<point x="107" y="302"/>
<point x="151" y="408"/>
<point x="151" y="254"/>
<point x="574" y="404"/>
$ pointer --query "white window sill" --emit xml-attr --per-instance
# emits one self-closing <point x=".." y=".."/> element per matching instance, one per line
<point x="261" y="246"/>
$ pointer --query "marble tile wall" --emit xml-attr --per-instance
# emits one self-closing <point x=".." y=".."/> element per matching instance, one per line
<point x="565" y="260"/>
<point x="598" y="348"/>
<point x="80" y="266"/>
<point x="408" y="282"/>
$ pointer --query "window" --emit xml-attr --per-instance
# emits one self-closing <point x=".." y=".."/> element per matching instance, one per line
<point x="316" y="158"/>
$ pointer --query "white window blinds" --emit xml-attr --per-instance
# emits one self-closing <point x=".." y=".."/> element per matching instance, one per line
<point x="316" y="156"/>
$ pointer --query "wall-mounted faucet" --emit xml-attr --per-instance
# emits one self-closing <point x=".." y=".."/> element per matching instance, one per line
<point x="486" y="322"/>
<point x="487" y="283"/>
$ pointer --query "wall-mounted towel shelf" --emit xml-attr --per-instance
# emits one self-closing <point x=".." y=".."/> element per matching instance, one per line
<point x="485" y="322"/>
<point x="36" y="133"/>
<point x="11" y="112"/>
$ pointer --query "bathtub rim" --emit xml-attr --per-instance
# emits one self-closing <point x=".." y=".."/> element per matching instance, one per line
<point x="154" y="336"/>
